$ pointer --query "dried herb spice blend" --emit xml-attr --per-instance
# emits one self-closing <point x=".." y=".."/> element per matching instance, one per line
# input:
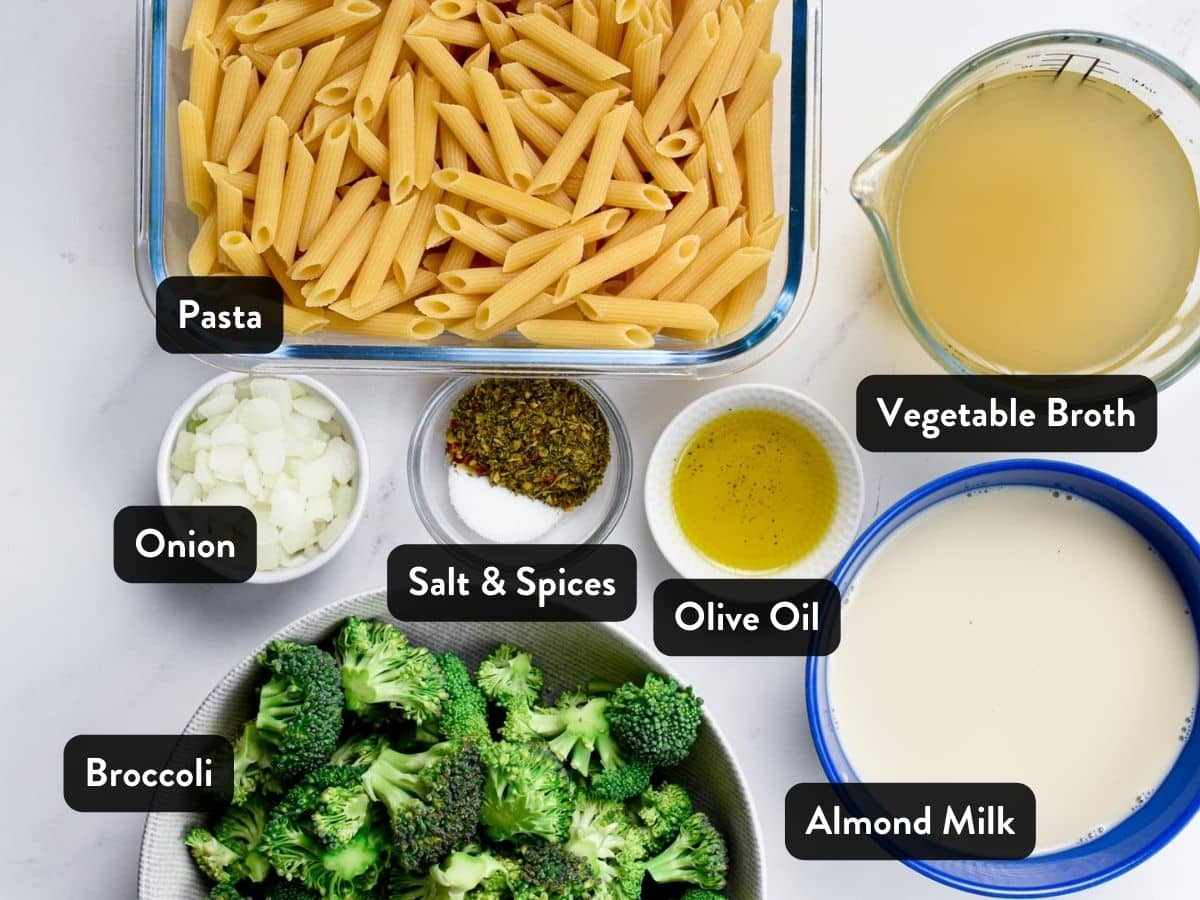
<point x="544" y="438"/>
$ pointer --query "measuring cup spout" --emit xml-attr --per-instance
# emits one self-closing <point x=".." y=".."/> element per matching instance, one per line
<point x="869" y="184"/>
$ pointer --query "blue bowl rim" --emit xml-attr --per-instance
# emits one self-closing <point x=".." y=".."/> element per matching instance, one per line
<point x="883" y="524"/>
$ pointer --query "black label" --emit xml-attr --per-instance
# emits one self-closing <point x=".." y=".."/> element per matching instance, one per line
<point x="147" y="773"/>
<point x="512" y="583"/>
<point x="184" y="544"/>
<point x="219" y="314"/>
<point x="910" y="821"/>
<point x="1012" y="413"/>
<point x="747" y="617"/>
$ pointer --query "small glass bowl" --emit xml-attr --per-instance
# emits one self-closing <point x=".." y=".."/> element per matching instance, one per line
<point x="429" y="482"/>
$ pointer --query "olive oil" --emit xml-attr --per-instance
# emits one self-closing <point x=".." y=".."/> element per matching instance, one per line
<point x="754" y="491"/>
<point x="1048" y="225"/>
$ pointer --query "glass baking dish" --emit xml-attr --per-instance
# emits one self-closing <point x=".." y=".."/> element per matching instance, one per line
<point x="165" y="229"/>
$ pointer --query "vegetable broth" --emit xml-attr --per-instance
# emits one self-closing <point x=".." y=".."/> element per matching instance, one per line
<point x="1019" y="634"/>
<point x="754" y="491"/>
<point x="1048" y="225"/>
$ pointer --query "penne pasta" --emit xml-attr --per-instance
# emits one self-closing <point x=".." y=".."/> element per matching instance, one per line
<point x="401" y="139"/>
<point x="231" y="107"/>
<point x="623" y="194"/>
<point x="647" y="59"/>
<point x="680" y="76"/>
<point x="530" y="283"/>
<point x="341" y="89"/>
<point x="314" y="71"/>
<point x="679" y="143"/>
<point x="495" y="25"/>
<point x="738" y="307"/>
<point x="452" y="9"/>
<point x="753" y="93"/>
<point x="416" y="237"/>
<point x="202" y="20"/>
<point x="335" y="229"/>
<point x="448" y="307"/>
<point x="193" y="148"/>
<point x="385" y="53"/>
<point x="610" y="136"/>
<point x="648" y="313"/>
<point x="578" y="54"/>
<point x="732" y="271"/>
<point x="519" y="77"/>
<point x="726" y="181"/>
<point x="223" y="36"/>
<point x="445" y="69"/>
<point x="202" y="255"/>
<point x="476" y="280"/>
<point x="574" y="140"/>
<point x="608" y="263"/>
<point x="246" y="182"/>
<point x="542" y="60"/>
<point x="348" y="258"/>
<point x="500" y="196"/>
<point x="425" y="129"/>
<point x="390" y="296"/>
<point x="585" y="22"/>
<point x="693" y="14"/>
<point x="665" y="171"/>
<point x="400" y="325"/>
<point x="230" y="213"/>
<point x="355" y="52"/>
<point x="463" y="228"/>
<point x="462" y="32"/>
<point x="687" y="212"/>
<point x="370" y="149"/>
<point x="638" y="223"/>
<point x="500" y="127"/>
<point x="271" y="170"/>
<point x="204" y="85"/>
<point x="296" y="183"/>
<point x="272" y="15"/>
<point x="322" y="191"/>
<point x="759" y="189"/>
<point x="706" y="90"/>
<point x="237" y="249"/>
<point x="342" y="15"/>
<point x="505" y="225"/>
<point x="712" y="253"/>
<point x="604" y="335"/>
<point x="664" y="269"/>
<point x="459" y="121"/>
<point x="756" y="27"/>
<point x="254" y="127"/>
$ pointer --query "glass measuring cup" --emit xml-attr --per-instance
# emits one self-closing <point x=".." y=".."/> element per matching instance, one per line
<point x="1164" y="87"/>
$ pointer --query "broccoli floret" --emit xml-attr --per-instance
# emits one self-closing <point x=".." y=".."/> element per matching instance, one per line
<point x="509" y="676"/>
<point x="465" y="713"/>
<point x="662" y="811"/>
<point x="657" y="721"/>
<point x="348" y="871"/>
<point x="299" y="709"/>
<point x="548" y="871"/>
<point x="219" y="863"/>
<point x="225" y="892"/>
<point x="290" y="890"/>
<point x="433" y="799"/>
<point x="526" y="793"/>
<point x="359" y="750"/>
<point x="624" y="780"/>
<point x="251" y="766"/>
<point x="381" y="668"/>
<point x="467" y="873"/>
<point x="608" y="840"/>
<point x="697" y="856"/>
<point x="701" y="894"/>
<point x="241" y="829"/>
<point x="340" y="814"/>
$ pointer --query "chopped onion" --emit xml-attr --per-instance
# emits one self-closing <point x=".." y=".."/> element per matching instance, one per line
<point x="272" y="446"/>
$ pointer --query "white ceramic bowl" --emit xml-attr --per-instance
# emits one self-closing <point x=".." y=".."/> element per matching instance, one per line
<point x="660" y="511"/>
<point x="353" y="435"/>
<point x="566" y="652"/>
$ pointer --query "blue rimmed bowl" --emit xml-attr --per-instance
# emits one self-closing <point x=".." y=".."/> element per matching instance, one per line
<point x="1169" y="809"/>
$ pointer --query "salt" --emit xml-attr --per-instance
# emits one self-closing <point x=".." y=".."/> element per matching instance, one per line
<point x="494" y="512"/>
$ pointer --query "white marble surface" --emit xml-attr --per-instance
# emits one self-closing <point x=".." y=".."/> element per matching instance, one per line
<point x="82" y="652"/>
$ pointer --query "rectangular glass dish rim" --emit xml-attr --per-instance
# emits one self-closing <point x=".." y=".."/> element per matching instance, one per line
<point x="766" y="336"/>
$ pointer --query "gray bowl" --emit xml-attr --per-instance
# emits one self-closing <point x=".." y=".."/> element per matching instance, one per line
<point x="566" y="651"/>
